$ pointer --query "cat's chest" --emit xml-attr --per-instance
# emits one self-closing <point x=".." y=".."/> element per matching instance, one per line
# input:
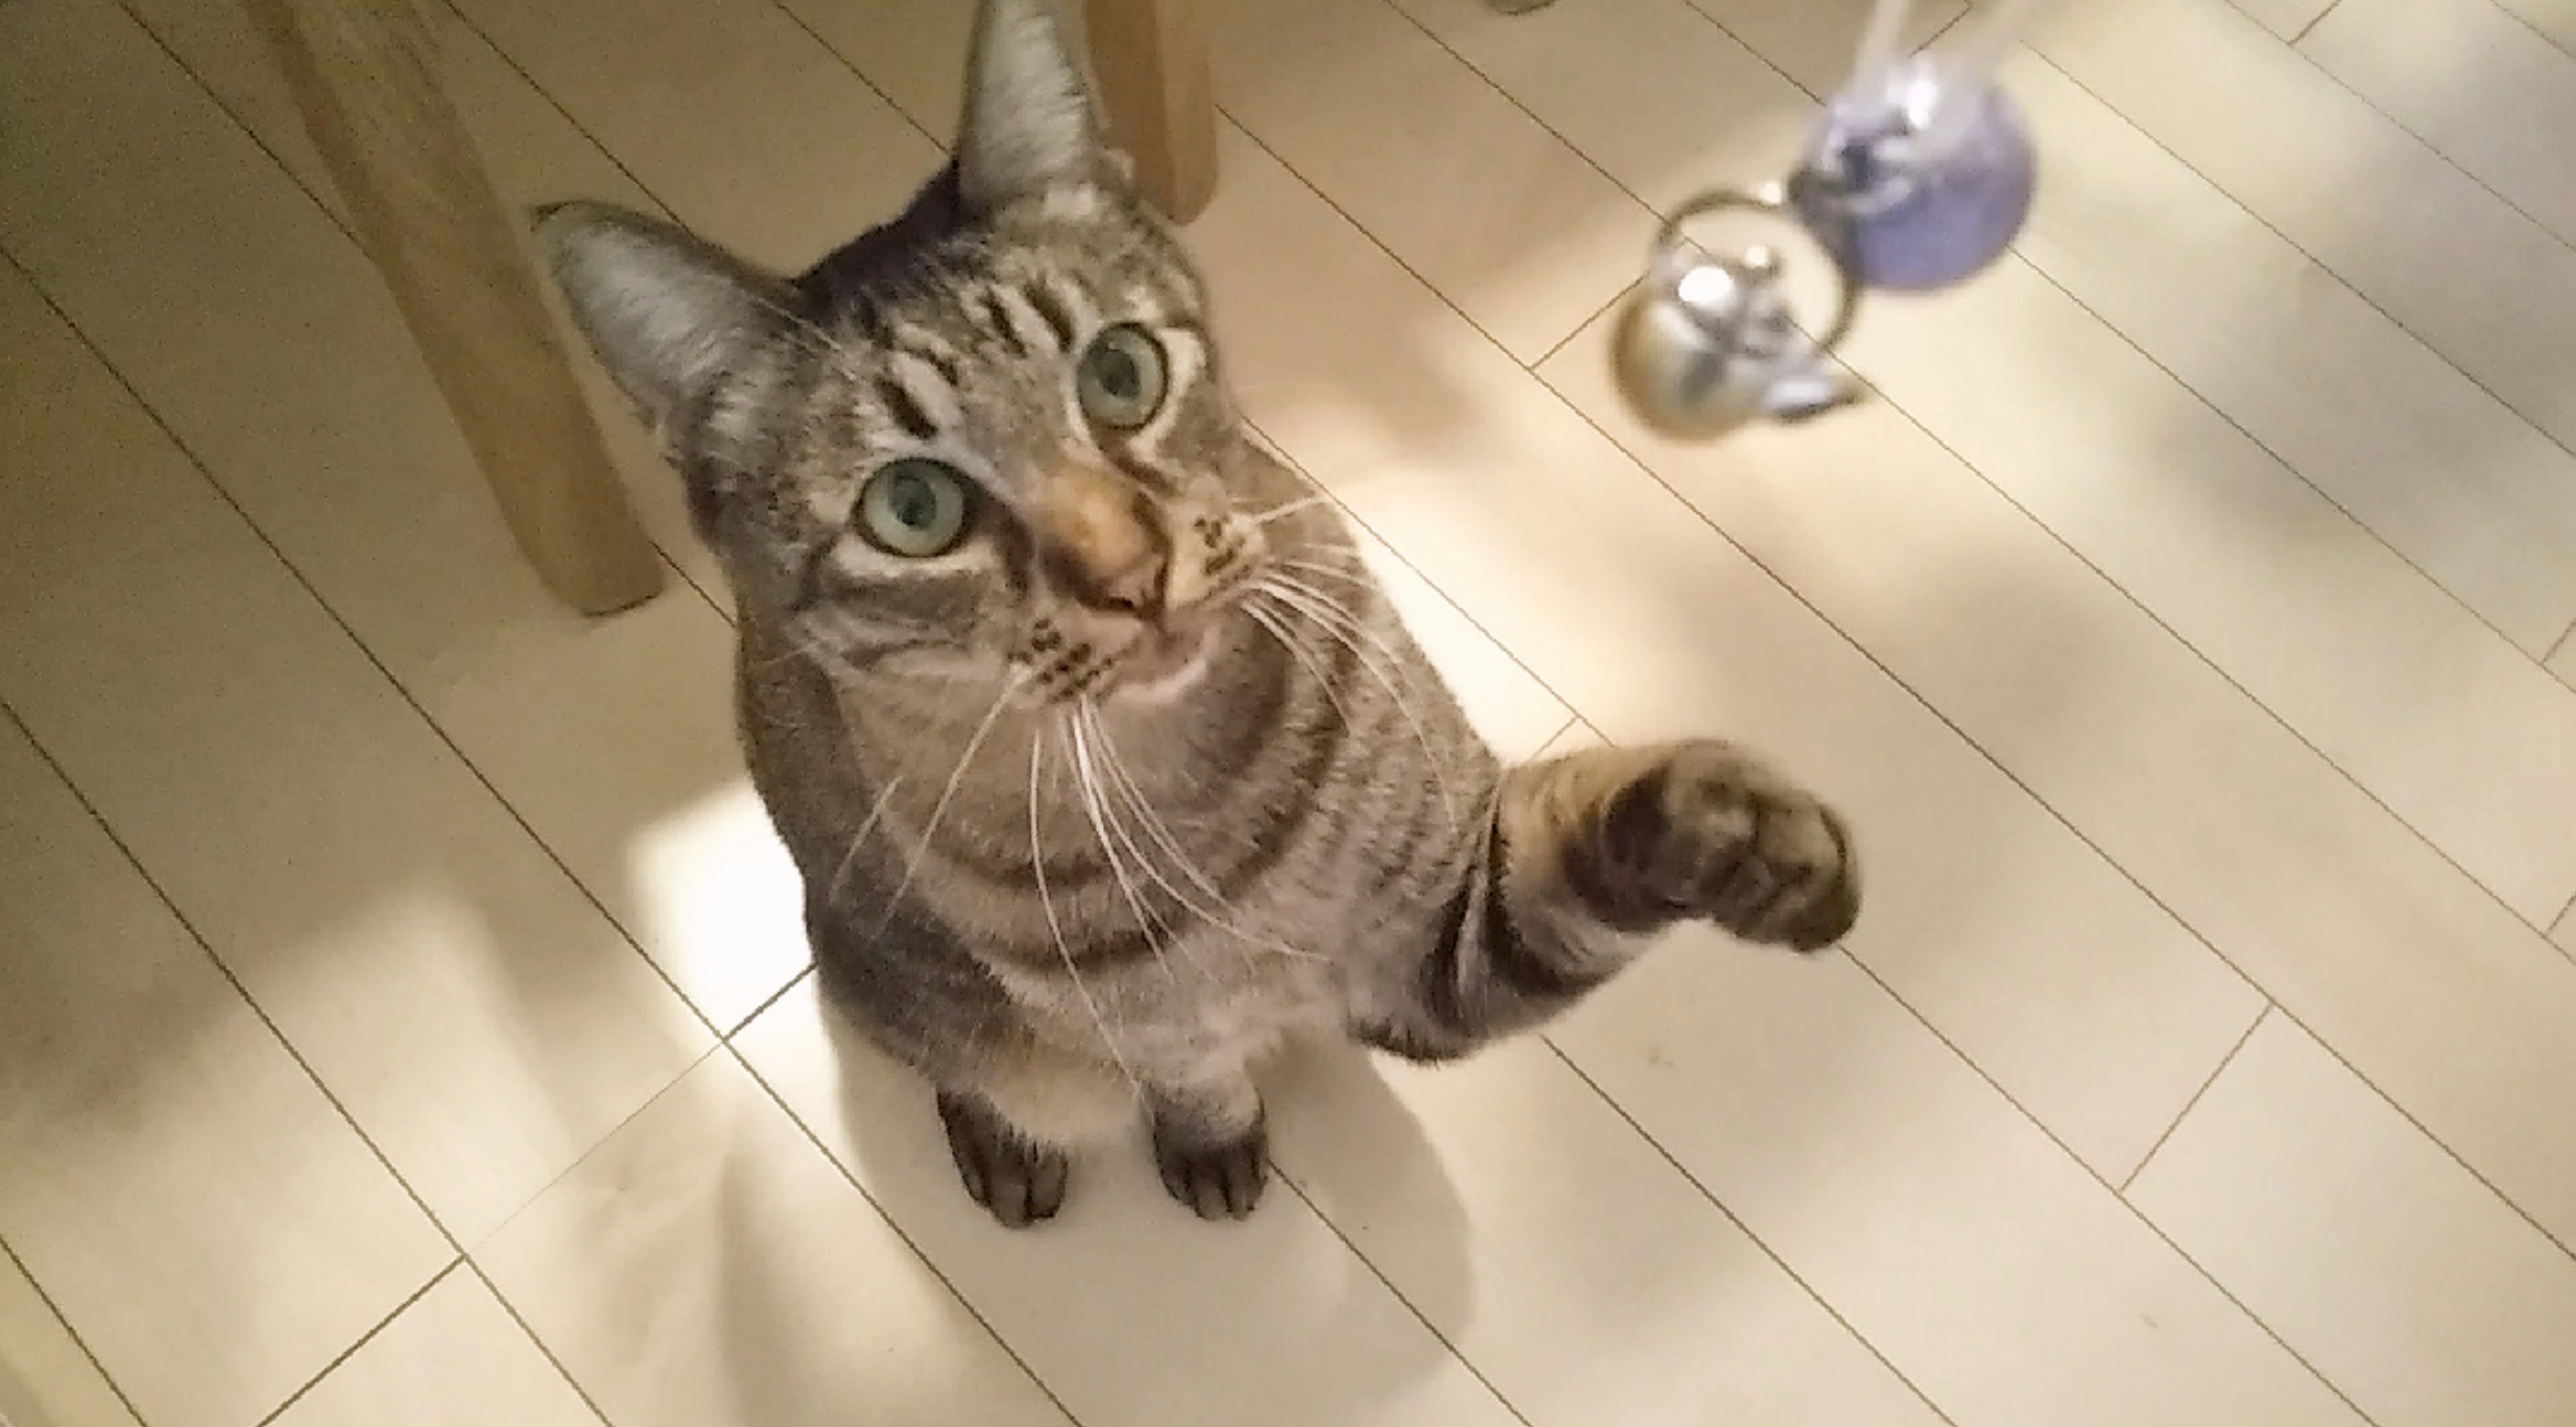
<point x="1215" y="997"/>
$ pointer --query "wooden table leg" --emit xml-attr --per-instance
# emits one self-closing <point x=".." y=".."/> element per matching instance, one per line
<point x="1151" y="57"/>
<point x="365" y="74"/>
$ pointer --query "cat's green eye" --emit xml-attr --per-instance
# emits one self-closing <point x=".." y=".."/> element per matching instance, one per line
<point x="1121" y="377"/>
<point x="915" y="508"/>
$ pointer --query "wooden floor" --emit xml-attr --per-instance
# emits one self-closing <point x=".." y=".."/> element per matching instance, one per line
<point x="401" y="1011"/>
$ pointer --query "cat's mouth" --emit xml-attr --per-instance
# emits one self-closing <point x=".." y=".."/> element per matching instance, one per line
<point x="1162" y="661"/>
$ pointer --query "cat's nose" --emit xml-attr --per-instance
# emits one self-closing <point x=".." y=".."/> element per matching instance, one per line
<point x="1103" y="542"/>
<point x="1137" y="588"/>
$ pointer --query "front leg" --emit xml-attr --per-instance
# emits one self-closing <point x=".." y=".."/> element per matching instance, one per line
<point x="1588" y="856"/>
<point x="1211" y="1144"/>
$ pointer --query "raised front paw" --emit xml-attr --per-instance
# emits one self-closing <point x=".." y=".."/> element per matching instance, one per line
<point x="1710" y="832"/>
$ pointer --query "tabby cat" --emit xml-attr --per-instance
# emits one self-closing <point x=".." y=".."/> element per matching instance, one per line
<point x="1107" y="766"/>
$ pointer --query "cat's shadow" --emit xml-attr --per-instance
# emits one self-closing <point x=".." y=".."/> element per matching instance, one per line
<point x="1279" y="1320"/>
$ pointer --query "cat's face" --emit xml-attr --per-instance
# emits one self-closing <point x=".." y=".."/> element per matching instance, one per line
<point x="991" y="440"/>
<point x="1028" y="465"/>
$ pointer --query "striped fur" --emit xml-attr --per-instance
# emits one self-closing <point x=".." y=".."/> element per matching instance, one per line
<point x="1144" y="777"/>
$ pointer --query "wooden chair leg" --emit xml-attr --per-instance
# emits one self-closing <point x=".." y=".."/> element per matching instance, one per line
<point x="1151" y="57"/>
<point x="365" y="74"/>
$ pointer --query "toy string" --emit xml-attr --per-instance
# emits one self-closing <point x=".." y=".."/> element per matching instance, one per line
<point x="1878" y="40"/>
<point x="1974" y="54"/>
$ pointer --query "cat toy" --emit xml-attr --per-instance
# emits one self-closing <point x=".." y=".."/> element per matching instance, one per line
<point x="1919" y="175"/>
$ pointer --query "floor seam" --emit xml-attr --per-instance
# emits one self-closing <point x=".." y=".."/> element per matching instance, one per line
<point x="364" y="1339"/>
<point x="88" y="1353"/>
<point x="529" y="1331"/>
<point x="1756" y="1240"/>
<point x="1398" y="1294"/>
<point x="2117" y="1197"/>
<point x="2260" y="1016"/>
<point x="895" y="1227"/>
<point x="2299" y="47"/>
<point x="2321" y="265"/>
<point x="2310" y="28"/>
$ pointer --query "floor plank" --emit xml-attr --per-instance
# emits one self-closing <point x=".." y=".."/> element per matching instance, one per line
<point x="707" y="1267"/>
<point x="2470" y="79"/>
<point x="453" y="1358"/>
<point x="2286" y="18"/>
<point x="1581" y="1273"/>
<point x="1815" y="43"/>
<point x="910" y="51"/>
<point x="1523" y="236"/>
<point x="2004" y="1281"/>
<point x="2378" y="422"/>
<point x="2413" y="234"/>
<point x="2555" y="19"/>
<point x="1507" y="704"/>
<point x="2409" y="1284"/>
<point x="46" y="1376"/>
<point x="199" y="1212"/>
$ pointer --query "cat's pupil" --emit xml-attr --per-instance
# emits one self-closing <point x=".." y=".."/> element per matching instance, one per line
<point x="1118" y="374"/>
<point x="915" y="503"/>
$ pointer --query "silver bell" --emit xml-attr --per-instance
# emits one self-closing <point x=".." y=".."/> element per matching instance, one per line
<point x="1708" y="343"/>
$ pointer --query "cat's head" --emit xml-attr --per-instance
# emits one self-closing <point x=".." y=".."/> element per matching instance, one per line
<point x="989" y="439"/>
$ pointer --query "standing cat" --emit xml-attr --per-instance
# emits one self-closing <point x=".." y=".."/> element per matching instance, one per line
<point x="1107" y="766"/>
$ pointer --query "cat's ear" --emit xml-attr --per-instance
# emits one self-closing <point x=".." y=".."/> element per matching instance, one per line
<point x="1031" y="122"/>
<point x="669" y="315"/>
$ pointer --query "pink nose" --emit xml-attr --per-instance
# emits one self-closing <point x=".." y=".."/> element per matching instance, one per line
<point x="1103" y="539"/>
<point x="1137" y="587"/>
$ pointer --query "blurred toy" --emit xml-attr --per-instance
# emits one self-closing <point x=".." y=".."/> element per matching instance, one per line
<point x="1919" y="176"/>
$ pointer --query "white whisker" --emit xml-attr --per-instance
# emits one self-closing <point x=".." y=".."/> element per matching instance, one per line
<point x="799" y="324"/>
<point x="1323" y="611"/>
<point x="1122" y="783"/>
<point x="1277" y="628"/>
<point x="850" y="858"/>
<point x="1055" y="928"/>
<point x="1360" y="578"/>
<point x="956" y="778"/>
<point x="1086" y="783"/>
<point x="1289" y="508"/>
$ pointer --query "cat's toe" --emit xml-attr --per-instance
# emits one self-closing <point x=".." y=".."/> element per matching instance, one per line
<point x="1826" y="903"/>
<point x="1767" y="862"/>
<point x="1018" y="1182"/>
<point x="1793" y="883"/>
<point x="1221" y="1181"/>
